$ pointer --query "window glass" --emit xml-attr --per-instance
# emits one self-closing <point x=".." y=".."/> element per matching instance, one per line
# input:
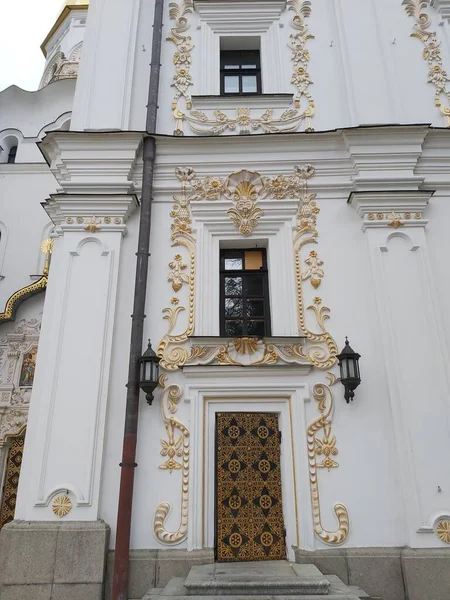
<point x="231" y="84"/>
<point x="249" y="84"/>
<point x="244" y="293"/>
<point x="232" y="264"/>
<point x="240" y="72"/>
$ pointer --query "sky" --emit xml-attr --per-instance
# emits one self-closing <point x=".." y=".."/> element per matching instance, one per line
<point x="25" y="23"/>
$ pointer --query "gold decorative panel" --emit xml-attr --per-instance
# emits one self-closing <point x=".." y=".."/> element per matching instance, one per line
<point x="9" y="496"/>
<point x="249" y="509"/>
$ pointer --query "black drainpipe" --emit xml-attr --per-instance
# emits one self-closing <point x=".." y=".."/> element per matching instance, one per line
<point x="128" y="464"/>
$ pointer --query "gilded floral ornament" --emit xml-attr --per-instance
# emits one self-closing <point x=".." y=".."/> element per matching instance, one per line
<point x="177" y="276"/>
<point x="443" y="530"/>
<point x="172" y="449"/>
<point x="314" y="272"/>
<point x="394" y="220"/>
<point x="62" y="505"/>
<point x="326" y="447"/>
<point x="437" y="75"/>
<point x="243" y="120"/>
<point x="93" y="224"/>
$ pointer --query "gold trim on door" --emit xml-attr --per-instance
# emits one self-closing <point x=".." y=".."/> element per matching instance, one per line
<point x="249" y="508"/>
<point x="9" y="496"/>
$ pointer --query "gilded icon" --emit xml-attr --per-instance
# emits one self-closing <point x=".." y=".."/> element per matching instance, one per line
<point x="28" y="368"/>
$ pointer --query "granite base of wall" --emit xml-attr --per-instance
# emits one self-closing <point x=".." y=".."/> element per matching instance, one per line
<point x="154" y="568"/>
<point x="53" y="560"/>
<point x="388" y="573"/>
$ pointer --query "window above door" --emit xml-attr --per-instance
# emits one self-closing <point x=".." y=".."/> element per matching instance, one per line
<point x="244" y="293"/>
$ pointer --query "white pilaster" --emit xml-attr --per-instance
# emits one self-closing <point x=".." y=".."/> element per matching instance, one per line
<point x="104" y="86"/>
<point x="65" y="435"/>
<point x="415" y="352"/>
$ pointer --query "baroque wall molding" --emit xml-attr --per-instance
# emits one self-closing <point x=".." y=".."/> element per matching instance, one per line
<point x="175" y="447"/>
<point x="243" y="119"/>
<point x="326" y="448"/>
<point x="437" y="75"/>
<point x="319" y="349"/>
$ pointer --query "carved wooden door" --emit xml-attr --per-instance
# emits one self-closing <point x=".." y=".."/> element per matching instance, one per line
<point x="249" y="509"/>
<point x="12" y="473"/>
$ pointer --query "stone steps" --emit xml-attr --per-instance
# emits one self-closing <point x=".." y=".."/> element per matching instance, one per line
<point x="256" y="579"/>
<point x="268" y="580"/>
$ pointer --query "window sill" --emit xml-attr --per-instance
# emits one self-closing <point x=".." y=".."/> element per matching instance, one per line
<point x="242" y="101"/>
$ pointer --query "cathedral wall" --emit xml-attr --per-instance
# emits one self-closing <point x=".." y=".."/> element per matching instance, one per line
<point x="368" y="480"/>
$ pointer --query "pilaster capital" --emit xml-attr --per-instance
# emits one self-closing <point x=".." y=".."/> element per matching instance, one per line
<point x="90" y="213"/>
<point x="391" y="209"/>
<point x="92" y="162"/>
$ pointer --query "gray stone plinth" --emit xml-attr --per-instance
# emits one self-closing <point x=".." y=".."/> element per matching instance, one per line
<point x="155" y="568"/>
<point x="53" y="560"/>
<point x="388" y="573"/>
<point x="427" y="573"/>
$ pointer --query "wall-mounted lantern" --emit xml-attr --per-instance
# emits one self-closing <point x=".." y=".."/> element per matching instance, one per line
<point x="149" y="372"/>
<point x="349" y="365"/>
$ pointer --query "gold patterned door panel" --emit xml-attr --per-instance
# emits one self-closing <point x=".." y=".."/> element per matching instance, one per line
<point x="249" y="509"/>
<point x="9" y="496"/>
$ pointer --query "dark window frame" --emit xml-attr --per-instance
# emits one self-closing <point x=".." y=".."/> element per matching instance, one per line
<point x="240" y="58"/>
<point x="246" y="276"/>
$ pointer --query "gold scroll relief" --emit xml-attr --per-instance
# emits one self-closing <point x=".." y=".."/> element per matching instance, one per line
<point x="325" y="446"/>
<point x="242" y="120"/>
<point x="437" y="75"/>
<point x="169" y="404"/>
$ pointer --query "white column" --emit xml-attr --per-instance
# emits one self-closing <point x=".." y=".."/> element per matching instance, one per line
<point x="66" y="425"/>
<point x="415" y="353"/>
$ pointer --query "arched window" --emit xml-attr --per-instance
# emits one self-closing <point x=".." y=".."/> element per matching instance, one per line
<point x="12" y="154"/>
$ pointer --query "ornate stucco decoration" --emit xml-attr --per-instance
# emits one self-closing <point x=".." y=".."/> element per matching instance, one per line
<point x="326" y="447"/>
<point x="437" y="75"/>
<point x="177" y="447"/>
<point x="443" y="530"/>
<point x="18" y="351"/>
<point x="248" y="352"/>
<point x="314" y="271"/>
<point x="319" y="349"/>
<point x="242" y="119"/>
<point x="62" y="66"/>
<point x="61" y="506"/>
<point x="315" y="348"/>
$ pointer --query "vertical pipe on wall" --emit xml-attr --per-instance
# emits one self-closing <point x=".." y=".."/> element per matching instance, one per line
<point x="128" y="464"/>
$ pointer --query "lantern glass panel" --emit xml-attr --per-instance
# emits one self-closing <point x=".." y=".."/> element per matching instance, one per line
<point x="352" y="373"/>
<point x="154" y="371"/>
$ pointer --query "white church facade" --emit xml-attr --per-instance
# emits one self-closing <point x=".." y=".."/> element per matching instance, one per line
<point x="284" y="169"/>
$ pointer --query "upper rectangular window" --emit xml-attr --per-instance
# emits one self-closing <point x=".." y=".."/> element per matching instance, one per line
<point x="240" y="72"/>
<point x="244" y="293"/>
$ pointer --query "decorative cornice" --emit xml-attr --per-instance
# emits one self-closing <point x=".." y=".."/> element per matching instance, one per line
<point x="59" y="21"/>
<point x="391" y="209"/>
<point x="95" y="162"/>
<point x="90" y="213"/>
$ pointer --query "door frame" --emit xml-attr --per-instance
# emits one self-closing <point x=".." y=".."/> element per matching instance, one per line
<point x="243" y="392"/>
